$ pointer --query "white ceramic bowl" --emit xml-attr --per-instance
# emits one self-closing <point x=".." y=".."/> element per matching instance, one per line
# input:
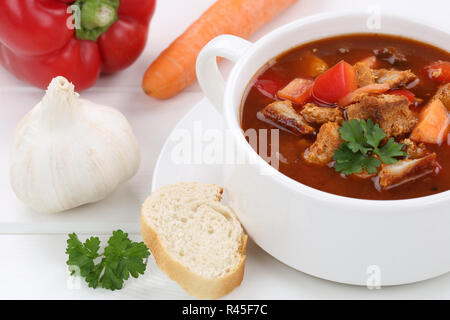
<point x="332" y="237"/>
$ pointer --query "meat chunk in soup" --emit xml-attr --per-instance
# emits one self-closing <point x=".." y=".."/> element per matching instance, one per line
<point x="356" y="95"/>
<point x="393" y="78"/>
<point x="403" y="171"/>
<point x="413" y="150"/>
<point x="391" y="55"/>
<point x="313" y="113"/>
<point x="364" y="74"/>
<point x="328" y="140"/>
<point x="391" y="112"/>
<point x="282" y="114"/>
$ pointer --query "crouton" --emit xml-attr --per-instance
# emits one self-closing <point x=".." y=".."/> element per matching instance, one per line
<point x="364" y="74"/>
<point x="328" y="140"/>
<point x="313" y="113"/>
<point x="393" y="175"/>
<point x="412" y="149"/>
<point x="284" y="116"/>
<point x="443" y="94"/>
<point x="391" y="112"/>
<point x="393" y="78"/>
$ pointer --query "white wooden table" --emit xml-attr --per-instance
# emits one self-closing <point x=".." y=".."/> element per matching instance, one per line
<point x="33" y="265"/>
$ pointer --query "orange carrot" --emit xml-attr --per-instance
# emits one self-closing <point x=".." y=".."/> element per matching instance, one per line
<point x="433" y="123"/>
<point x="174" y="69"/>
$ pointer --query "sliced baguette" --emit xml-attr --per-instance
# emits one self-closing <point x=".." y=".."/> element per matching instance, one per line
<point x="196" y="241"/>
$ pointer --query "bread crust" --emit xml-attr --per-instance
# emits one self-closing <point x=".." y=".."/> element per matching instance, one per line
<point x="194" y="284"/>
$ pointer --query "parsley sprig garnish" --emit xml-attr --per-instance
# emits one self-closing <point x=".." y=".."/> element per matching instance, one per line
<point x="120" y="258"/>
<point x="361" y="148"/>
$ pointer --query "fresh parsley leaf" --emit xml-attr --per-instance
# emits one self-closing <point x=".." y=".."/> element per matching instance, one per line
<point x="373" y="133"/>
<point x="352" y="131"/>
<point x="93" y="278"/>
<point x="120" y="258"/>
<point x="362" y="139"/>
<point x="82" y="255"/>
<point x="389" y="151"/>
<point x="371" y="164"/>
<point x="348" y="162"/>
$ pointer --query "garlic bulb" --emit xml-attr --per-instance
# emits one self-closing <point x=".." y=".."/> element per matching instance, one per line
<point x="67" y="151"/>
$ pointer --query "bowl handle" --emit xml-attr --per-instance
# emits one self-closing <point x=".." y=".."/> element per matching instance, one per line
<point x="208" y="74"/>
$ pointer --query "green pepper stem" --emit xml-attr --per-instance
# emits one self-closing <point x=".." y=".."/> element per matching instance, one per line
<point x="95" y="17"/>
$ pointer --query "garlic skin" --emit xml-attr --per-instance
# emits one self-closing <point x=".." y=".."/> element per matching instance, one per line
<point x="67" y="151"/>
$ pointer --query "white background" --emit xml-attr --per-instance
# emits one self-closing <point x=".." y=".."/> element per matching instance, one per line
<point x="33" y="266"/>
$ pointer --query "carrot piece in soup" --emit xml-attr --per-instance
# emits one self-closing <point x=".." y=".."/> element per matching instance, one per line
<point x="433" y="124"/>
<point x="298" y="91"/>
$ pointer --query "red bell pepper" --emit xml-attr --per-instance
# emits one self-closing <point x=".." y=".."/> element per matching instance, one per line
<point x="335" y="83"/>
<point x="268" y="87"/>
<point x="41" y="39"/>
<point x="269" y="83"/>
<point x="439" y="71"/>
<point x="403" y="92"/>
